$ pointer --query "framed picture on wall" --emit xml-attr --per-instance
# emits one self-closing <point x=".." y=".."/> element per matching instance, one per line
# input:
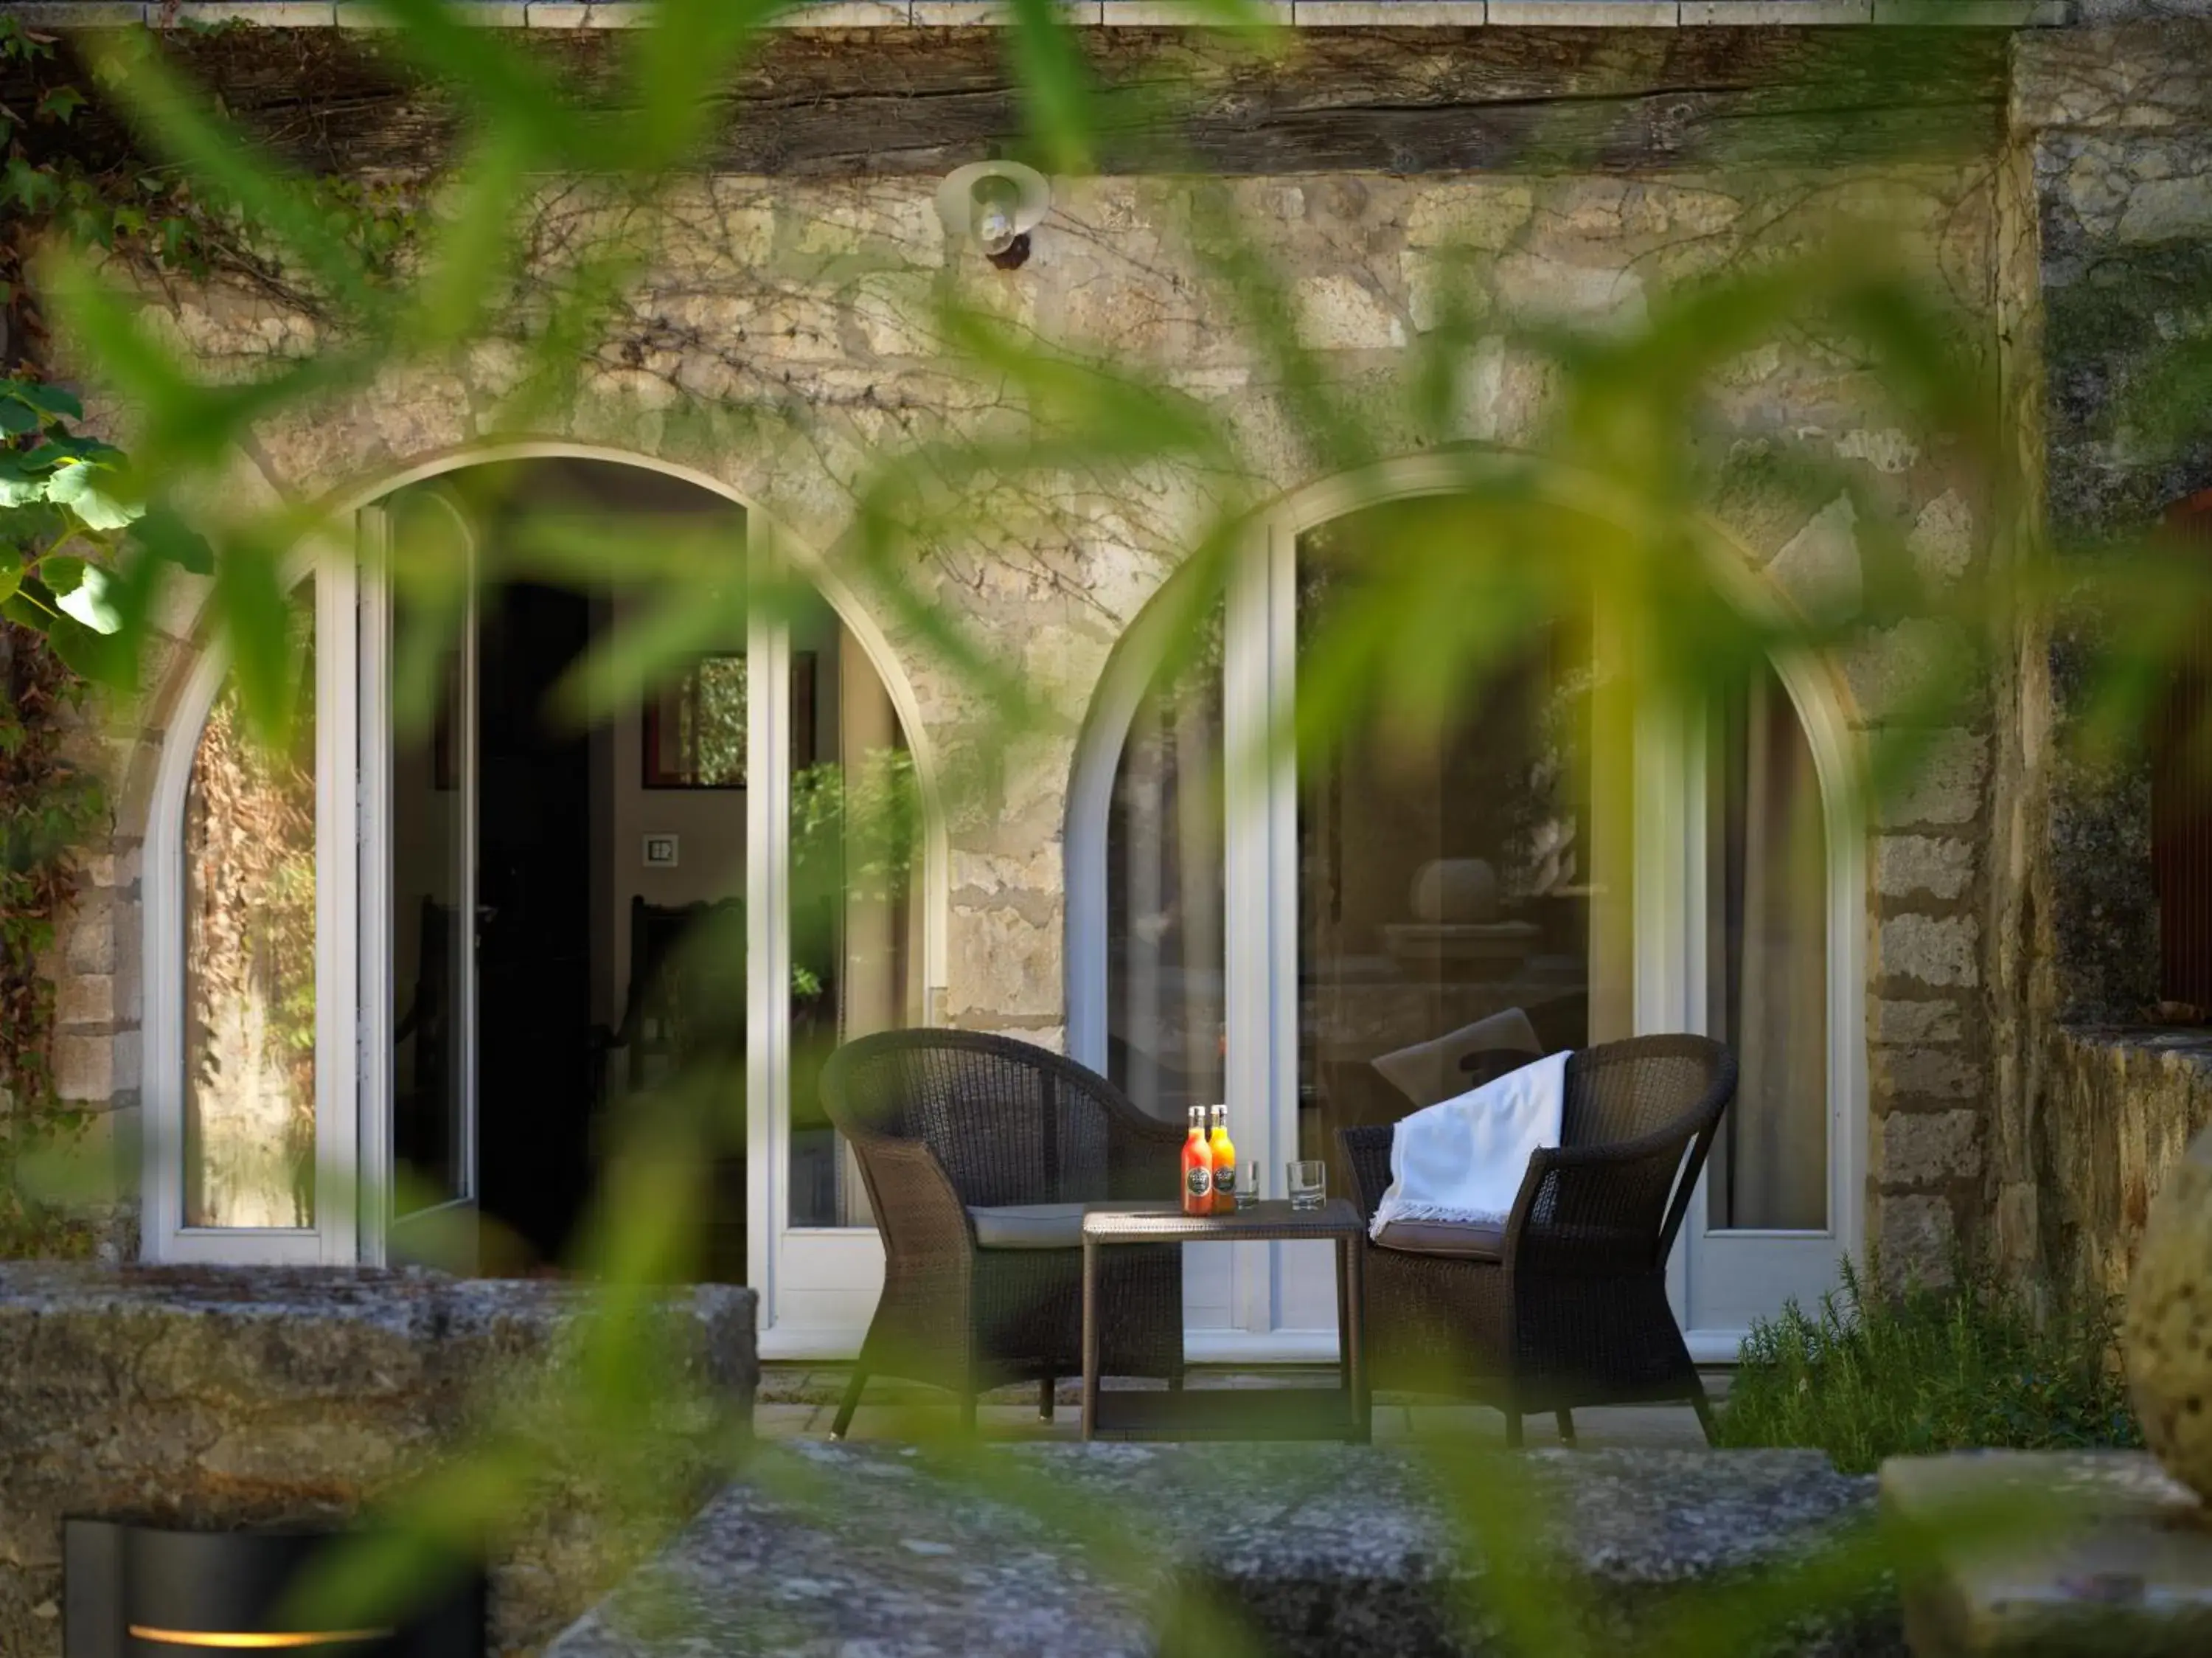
<point x="695" y="726"/>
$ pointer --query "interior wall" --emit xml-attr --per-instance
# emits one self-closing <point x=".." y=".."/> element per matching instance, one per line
<point x="710" y="824"/>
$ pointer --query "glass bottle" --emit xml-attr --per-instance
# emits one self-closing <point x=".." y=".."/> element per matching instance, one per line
<point x="1197" y="1166"/>
<point x="1224" y="1163"/>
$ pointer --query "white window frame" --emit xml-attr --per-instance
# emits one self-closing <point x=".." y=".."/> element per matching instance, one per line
<point x="1280" y="1305"/>
<point x="817" y="1286"/>
<point x="382" y="1233"/>
<point x="334" y="1239"/>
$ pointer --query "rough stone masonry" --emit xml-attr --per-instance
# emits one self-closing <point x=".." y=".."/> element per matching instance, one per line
<point x="783" y="332"/>
<point x="219" y="1396"/>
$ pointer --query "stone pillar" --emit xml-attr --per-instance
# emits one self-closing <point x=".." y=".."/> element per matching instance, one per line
<point x="2107" y="194"/>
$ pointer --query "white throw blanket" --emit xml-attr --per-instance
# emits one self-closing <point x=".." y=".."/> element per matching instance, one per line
<point x="1462" y="1160"/>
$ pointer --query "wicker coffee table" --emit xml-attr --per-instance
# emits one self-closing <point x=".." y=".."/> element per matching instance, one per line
<point x="1338" y="1413"/>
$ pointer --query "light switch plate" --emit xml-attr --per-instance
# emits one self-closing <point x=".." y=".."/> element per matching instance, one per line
<point x="661" y="851"/>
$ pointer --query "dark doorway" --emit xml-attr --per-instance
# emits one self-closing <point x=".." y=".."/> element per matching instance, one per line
<point x="545" y="984"/>
<point x="534" y="930"/>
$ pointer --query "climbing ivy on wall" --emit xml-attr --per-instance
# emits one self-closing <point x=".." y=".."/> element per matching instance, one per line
<point x="48" y="809"/>
<point x="81" y="562"/>
<point x="68" y="574"/>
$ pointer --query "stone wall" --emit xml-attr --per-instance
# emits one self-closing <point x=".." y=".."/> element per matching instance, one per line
<point x="783" y="333"/>
<point x="2119" y="1108"/>
<point x="2110" y="203"/>
<point x="214" y="1399"/>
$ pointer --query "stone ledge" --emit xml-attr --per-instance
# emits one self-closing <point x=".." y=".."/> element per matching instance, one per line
<point x="1974" y="13"/>
<point x="2119" y="1559"/>
<point x="223" y="1397"/>
<point x="2180" y="1045"/>
<point x="2118" y="1105"/>
<point x="1150" y="14"/>
<point x="1768" y="14"/>
<point x="1321" y="1548"/>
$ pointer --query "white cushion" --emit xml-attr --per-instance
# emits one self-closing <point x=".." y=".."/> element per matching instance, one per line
<point x="1028" y="1226"/>
<point x="1428" y="1071"/>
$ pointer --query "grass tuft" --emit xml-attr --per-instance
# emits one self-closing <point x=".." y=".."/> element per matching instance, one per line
<point x="1925" y="1370"/>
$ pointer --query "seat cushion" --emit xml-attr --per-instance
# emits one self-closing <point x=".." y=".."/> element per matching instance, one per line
<point x="1028" y="1226"/>
<point x="1451" y="1238"/>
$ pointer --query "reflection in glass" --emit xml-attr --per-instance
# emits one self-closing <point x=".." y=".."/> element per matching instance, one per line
<point x="1767" y="929"/>
<point x="431" y="960"/>
<point x="1462" y="890"/>
<point x="695" y="728"/>
<point x="1164" y="894"/>
<point x="250" y="967"/>
<point x="854" y="939"/>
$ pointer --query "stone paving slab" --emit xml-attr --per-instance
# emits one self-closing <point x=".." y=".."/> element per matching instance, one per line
<point x="1055" y="1549"/>
<point x="792" y="1383"/>
<point x="1663" y="1427"/>
<point x="2118" y="1560"/>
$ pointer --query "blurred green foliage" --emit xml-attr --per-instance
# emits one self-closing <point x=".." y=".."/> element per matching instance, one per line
<point x="92" y="535"/>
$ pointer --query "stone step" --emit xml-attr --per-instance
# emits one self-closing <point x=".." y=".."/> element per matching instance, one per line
<point x="1301" y="1551"/>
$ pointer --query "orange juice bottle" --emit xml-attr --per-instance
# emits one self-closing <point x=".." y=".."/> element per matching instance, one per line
<point x="1197" y="1166"/>
<point x="1224" y="1163"/>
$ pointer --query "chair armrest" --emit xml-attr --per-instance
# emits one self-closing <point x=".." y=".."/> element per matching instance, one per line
<point x="1366" y="1154"/>
<point x="918" y="1211"/>
<point x="1587" y="1208"/>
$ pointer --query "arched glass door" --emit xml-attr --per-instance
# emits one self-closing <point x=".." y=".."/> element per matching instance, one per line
<point x="407" y="977"/>
<point x="1416" y="911"/>
<point x="696" y="895"/>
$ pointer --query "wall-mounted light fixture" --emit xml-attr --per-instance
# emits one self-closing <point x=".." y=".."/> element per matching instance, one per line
<point x="996" y="205"/>
<point x="133" y="1591"/>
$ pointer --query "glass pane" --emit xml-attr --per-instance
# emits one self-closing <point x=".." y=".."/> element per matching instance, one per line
<point x="431" y="957"/>
<point x="250" y="964"/>
<point x="1461" y="891"/>
<point x="1164" y="895"/>
<point x="854" y="930"/>
<point x="1767" y="955"/>
<point x="694" y="728"/>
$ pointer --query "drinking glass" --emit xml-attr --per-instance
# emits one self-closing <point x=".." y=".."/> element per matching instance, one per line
<point x="1249" y="1193"/>
<point x="1309" y="1183"/>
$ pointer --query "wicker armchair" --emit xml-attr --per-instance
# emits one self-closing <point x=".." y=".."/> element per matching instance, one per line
<point x="1573" y="1309"/>
<point x="947" y="1123"/>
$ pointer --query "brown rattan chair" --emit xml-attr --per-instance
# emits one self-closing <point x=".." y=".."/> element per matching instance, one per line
<point x="945" y="1123"/>
<point x="1572" y="1308"/>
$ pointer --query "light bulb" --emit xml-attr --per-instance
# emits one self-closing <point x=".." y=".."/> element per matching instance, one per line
<point x="995" y="200"/>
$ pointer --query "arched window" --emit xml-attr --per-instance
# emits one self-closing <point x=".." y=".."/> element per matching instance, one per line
<point x="404" y="972"/>
<point x="249" y="965"/>
<point x="1398" y="915"/>
<point x="1767" y="961"/>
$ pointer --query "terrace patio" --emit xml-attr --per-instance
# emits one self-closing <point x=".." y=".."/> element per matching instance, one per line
<point x="795" y="1403"/>
<point x="404" y="1024"/>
